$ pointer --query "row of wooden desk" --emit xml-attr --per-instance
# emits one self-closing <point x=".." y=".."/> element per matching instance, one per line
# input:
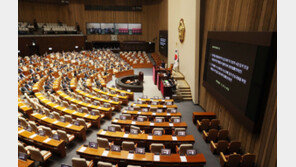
<point x="124" y="99"/>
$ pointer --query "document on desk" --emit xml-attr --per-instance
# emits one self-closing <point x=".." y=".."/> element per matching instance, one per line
<point x="183" y="159"/>
<point x="151" y="123"/>
<point x="80" y="102"/>
<point x="55" y="122"/>
<point x="149" y="137"/>
<point x="69" y="125"/>
<point x="124" y="111"/>
<point x="21" y="131"/>
<point x="154" y="113"/>
<point x="171" y="124"/>
<point x="139" y="112"/>
<point x="115" y="120"/>
<point x="174" y="138"/>
<point x="105" y="153"/>
<point x="64" y="109"/>
<point x="86" y="115"/>
<point x="82" y="149"/>
<point x="164" y="106"/>
<point x="168" y="114"/>
<point x="34" y="114"/>
<point x="43" y="118"/>
<point x="74" y="112"/>
<point x="156" y="157"/>
<point x="130" y="156"/>
<point x="47" y="140"/>
<point x="133" y="122"/>
<point x="103" y="132"/>
<point x="32" y="136"/>
<point x="125" y="135"/>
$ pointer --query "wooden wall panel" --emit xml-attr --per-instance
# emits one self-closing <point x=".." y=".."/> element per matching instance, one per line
<point x="149" y="17"/>
<point x="243" y="15"/>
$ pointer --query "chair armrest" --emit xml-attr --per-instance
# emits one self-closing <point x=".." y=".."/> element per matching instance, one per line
<point x="205" y="135"/>
<point x="223" y="160"/>
<point x="177" y="149"/>
<point x="213" y="147"/>
<point x="91" y="163"/>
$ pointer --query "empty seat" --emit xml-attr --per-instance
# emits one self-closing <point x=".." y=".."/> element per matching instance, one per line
<point x="183" y="148"/>
<point x="68" y="118"/>
<point x="64" y="136"/>
<point x="223" y="134"/>
<point x="158" y="129"/>
<point x="81" y="162"/>
<point x="160" y="119"/>
<point x="221" y="146"/>
<point x="234" y="147"/>
<point x="82" y="122"/>
<point x="117" y="127"/>
<point x="248" y="160"/>
<point x="96" y="112"/>
<point x="145" y="118"/>
<point x="156" y="147"/>
<point x="214" y="124"/>
<point x="135" y="128"/>
<point x="84" y="110"/>
<point x="40" y="156"/>
<point x="22" y="149"/>
<point x="33" y="126"/>
<point x="103" y="143"/>
<point x="178" y="130"/>
<point x="65" y="104"/>
<point x="73" y="107"/>
<point x="153" y="109"/>
<point x="128" y="116"/>
<point x="204" y="124"/>
<point x="173" y="119"/>
<point x="212" y="135"/>
<point x="23" y="123"/>
<point x="56" y="115"/>
<point x="104" y="164"/>
<point x="128" y="146"/>
<point x="47" y="131"/>
<point x="232" y="160"/>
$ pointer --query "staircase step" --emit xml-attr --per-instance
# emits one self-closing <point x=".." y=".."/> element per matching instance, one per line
<point x="187" y="99"/>
<point x="185" y="93"/>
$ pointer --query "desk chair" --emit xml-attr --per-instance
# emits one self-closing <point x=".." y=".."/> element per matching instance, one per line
<point x="183" y="148"/>
<point x="176" y="130"/>
<point x="204" y="124"/>
<point x="128" y="146"/>
<point x="248" y="160"/>
<point x="40" y="156"/>
<point x="156" y="147"/>
<point x="232" y="160"/>
<point x="81" y="162"/>
<point x="117" y="127"/>
<point x="221" y="146"/>
<point x="212" y="135"/>
<point x="103" y="143"/>
<point x="64" y="136"/>
<point x="158" y="129"/>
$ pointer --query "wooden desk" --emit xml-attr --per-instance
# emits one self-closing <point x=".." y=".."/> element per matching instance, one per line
<point x="129" y="94"/>
<point x="202" y="115"/>
<point x="157" y="106"/>
<point x="28" y="163"/>
<point x="149" y="125"/>
<point x="78" y="131"/>
<point x="57" y="146"/>
<point x="149" y="101"/>
<point x="95" y="120"/>
<point x="153" y="114"/>
<point x="143" y="138"/>
<point x="124" y="99"/>
<point x="115" y="104"/>
<point x="106" y="111"/>
<point x="22" y="106"/>
<point x="148" y="158"/>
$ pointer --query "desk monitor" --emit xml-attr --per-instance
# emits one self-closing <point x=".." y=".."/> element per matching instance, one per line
<point x="177" y="120"/>
<point x="93" y="145"/>
<point x="80" y="110"/>
<point x="22" y="156"/>
<point x="122" y="117"/>
<point x="29" y="128"/>
<point x="76" y="123"/>
<point x="155" y="97"/>
<point x="169" y="103"/>
<point x="173" y="111"/>
<point x="115" y="148"/>
<point x="51" y="116"/>
<point x="140" y="119"/>
<point x="134" y="131"/>
<point x="190" y="152"/>
<point x="140" y="150"/>
<point x="56" y="136"/>
<point x="159" y="110"/>
<point x="111" y="128"/>
<point x="41" y="132"/>
<point x="157" y="133"/>
<point x="140" y="102"/>
<point x="131" y="108"/>
<point x="165" y="151"/>
<point x="154" y="103"/>
<point x="158" y="120"/>
<point x="181" y="133"/>
<point x="93" y="113"/>
<point x="62" y="119"/>
<point x="145" y="109"/>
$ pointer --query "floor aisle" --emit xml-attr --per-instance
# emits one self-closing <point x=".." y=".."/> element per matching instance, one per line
<point x="186" y="108"/>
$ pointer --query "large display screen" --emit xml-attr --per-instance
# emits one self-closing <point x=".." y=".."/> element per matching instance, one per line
<point x="114" y="28"/>
<point x="235" y="71"/>
<point x="163" y="42"/>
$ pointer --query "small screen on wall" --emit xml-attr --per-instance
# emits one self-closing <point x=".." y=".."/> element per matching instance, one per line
<point x="114" y="28"/>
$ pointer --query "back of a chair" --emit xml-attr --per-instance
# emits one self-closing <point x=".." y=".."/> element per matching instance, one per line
<point x="234" y="160"/>
<point x="205" y="123"/>
<point x="104" y="164"/>
<point x="179" y="129"/>
<point x="79" y="162"/>
<point x="153" y="109"/>
<point x="68" y="118"/>
<point x="184" y="148"/>
<point x="222" y="146"/>
<point x="103" y="142"/>
<point x="127" y="146"/>
<point x="21" y="148"/>
<point x="117" y="127"/>
<point x="156" y="147"/>
<point x="215" y="124"/>
<point x="23" y="121"/>
<point x="234" y="146"/>
<point x="81" y="122"/>
<point x="248" y="160"/>
<point x="173" y="118"/>
<point x="33" y="126"/>
<point x="46" y="111"/>
<point x="65" y="104"/>
<point x="213" y="134"/>
<point x="73" y="107"/>
<point x="160" y="118"/>
<point x="56" y="115"/>
<point x="47" y="131"/>
<point x="63" y="135"/>
<point x="145" y="118"/>
<point x="36" y="154"/>
<point x="84" y="110"/>
<point x="223" y="134"/>
<point x="135" y="128"/>
<point x="96" y="112"/>
<point x="128" y="116"/>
